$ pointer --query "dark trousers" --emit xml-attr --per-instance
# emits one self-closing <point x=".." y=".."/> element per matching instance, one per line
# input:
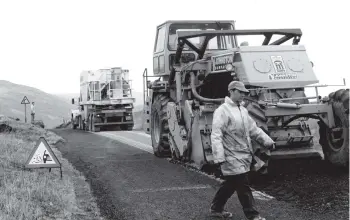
<point x="231" y="184"/>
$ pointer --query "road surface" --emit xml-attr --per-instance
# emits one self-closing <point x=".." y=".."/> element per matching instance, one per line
<point x="129" y="182"/>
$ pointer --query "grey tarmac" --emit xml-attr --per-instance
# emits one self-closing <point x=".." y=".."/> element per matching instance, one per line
<point x="131" y="183"/>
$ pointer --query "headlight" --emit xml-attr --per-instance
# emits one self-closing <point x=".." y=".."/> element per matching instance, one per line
<point x="128" y="118"/>
<point x="229" y="67"/>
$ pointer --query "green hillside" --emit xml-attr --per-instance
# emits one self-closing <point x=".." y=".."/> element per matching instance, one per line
<point x="49" y="108"/>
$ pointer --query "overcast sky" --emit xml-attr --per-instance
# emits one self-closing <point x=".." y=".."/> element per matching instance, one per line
<point x="46" y="44"/>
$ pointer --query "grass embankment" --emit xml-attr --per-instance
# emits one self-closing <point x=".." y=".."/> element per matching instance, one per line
<point x="38" y="193"/>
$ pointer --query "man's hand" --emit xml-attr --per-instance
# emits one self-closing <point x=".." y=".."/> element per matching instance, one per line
<point x="215" y="168"/>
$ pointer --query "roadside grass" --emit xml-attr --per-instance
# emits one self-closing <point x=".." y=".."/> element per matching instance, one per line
<point x="38" y="193"/>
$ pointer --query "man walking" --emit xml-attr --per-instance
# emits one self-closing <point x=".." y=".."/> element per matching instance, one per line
<point x="231" y="135"/>
<point x="32" y="108"/>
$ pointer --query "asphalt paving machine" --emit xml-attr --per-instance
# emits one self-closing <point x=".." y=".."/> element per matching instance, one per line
<point x="193" y="63"/>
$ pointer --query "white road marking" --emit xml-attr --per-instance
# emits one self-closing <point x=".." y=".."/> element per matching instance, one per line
<point x="128" y="141"/>
<point x="140" y="133"/>
<point x="257" y="194"/>
<point x="261" y="196"/>
<point x="172" y="189"/>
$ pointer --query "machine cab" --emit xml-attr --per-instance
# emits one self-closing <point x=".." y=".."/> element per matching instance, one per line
<point x="166" y="42"/>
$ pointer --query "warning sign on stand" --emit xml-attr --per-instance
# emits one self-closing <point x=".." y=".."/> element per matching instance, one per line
<point x="42" y="156"/>
<point x="25" y="100"/>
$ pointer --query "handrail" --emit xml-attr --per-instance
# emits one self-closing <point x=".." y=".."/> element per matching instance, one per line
<point x="145" y="85"/>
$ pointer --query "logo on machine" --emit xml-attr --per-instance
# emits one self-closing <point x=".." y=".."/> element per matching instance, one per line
<point x="278" y="64"/>
<point x="282" y="76"/>
<point x="280" y="70"/>
<point x="219" y="62"/>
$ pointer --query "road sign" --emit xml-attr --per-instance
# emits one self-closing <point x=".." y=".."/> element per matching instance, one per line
<point x="25" y="100"/>
<point x="42" y="156"/>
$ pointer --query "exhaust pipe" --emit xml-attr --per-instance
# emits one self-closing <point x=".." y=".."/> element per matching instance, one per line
<point x="201" y="98"/>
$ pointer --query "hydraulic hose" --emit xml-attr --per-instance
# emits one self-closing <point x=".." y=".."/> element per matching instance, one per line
<point x="197" y="96"/>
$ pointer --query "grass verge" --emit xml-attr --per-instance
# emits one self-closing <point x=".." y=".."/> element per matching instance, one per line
<point x="38" y="193"/>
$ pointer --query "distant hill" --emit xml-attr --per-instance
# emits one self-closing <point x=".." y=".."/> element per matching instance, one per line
<point x="49" y="108"/>
<point x="67" y="97"/>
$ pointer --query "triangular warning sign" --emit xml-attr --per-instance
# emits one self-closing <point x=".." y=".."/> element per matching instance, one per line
<point x="25" y="100"/>
<point x="42" y="156"/>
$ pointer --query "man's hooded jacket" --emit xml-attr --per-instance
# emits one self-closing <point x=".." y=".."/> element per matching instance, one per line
<point x="232" y="130"/>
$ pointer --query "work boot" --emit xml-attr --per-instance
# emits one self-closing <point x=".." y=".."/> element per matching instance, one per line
<point x="223" y="214"/>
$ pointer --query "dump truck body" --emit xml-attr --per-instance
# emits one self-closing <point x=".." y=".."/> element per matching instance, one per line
<point x="106" y="100"/>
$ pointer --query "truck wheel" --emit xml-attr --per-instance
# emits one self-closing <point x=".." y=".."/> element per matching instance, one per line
<point x="72" y="124"/>
<point x="160" y="127"/>
<point x="93" y="127"/>
<point x="80" y="123"/>
<point x="335" y="144"/>
<point x="88" y="123"/>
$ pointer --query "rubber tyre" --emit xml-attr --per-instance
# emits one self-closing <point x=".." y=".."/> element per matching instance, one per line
<point x="73" y="125"/>
<point x="337" y="153"/>
<point x="159" y="126"/>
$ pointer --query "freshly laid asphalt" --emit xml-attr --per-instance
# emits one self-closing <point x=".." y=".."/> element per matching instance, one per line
<point x="130" y="183"/>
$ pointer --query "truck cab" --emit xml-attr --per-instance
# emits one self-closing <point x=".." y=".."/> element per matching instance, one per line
<point x="166" y="43"/>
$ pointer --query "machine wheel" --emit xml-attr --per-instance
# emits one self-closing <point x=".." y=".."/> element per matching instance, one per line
<point x="89" y="123"/>
<point x="72" y="124"/>
<point x="160" y="127"/>
<point x="83" y="124"/>
<point x="93" y="127"/>
<point x="80" y="126"/>
<point x="335" y="144"/>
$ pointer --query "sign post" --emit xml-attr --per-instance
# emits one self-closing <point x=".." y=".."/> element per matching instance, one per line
<point x="25" y="101"/>
<point x="42" y="156"/>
